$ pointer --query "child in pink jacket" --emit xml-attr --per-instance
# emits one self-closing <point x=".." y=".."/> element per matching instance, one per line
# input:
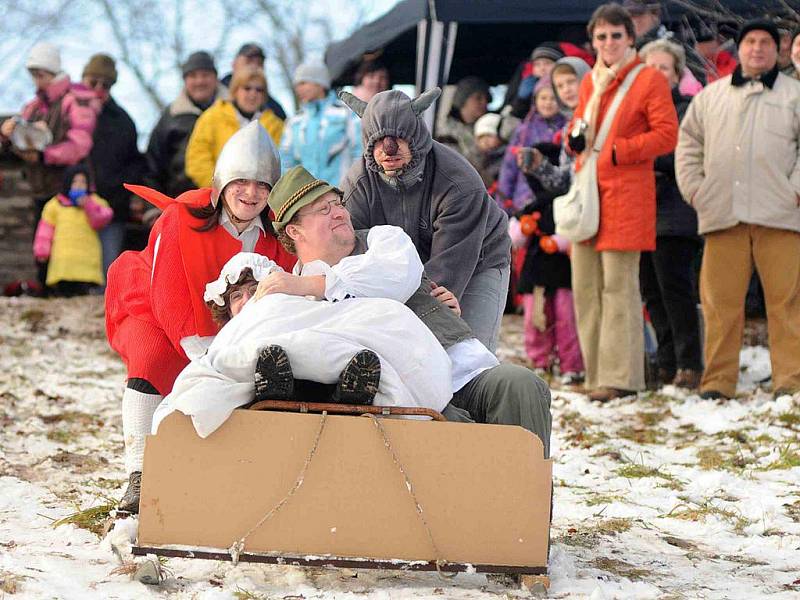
<point x="66" y="237"/>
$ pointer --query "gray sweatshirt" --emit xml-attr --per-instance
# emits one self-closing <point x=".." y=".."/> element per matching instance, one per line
<point x="439" y="199"/>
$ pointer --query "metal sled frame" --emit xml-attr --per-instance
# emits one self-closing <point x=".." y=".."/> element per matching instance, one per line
<point x="322" y="489"/>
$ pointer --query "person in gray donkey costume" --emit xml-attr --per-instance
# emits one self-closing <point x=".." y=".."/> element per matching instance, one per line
<point x="407" y="179"/>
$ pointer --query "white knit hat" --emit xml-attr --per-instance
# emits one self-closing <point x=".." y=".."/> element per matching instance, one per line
<point x="312" y="72"/>
<point x="46" y="57"/>
<point x="488" y="124"/>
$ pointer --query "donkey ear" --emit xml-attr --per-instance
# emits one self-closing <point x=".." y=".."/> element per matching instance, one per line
<point x="421" y="103"/>
<point x="357" y="105"/>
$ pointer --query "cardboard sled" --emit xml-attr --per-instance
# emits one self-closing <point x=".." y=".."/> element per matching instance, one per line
<point x="408" y="494"/>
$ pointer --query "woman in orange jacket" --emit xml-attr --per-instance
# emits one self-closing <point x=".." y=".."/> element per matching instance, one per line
<point x="605" y="270"/>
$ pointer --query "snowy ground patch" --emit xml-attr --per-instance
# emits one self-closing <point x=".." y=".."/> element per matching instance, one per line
<point x="662" y="496"/>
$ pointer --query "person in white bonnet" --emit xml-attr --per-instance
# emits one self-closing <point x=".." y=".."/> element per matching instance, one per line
<point x="324" y="136"/>
<point x="266" y="347"/>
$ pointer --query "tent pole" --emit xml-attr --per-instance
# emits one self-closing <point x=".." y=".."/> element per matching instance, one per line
<point x="431" y="66"/>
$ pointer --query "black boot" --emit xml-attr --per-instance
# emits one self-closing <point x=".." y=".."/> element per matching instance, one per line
<point x="359" y="381"/>
<point x="273" y="377"/>
<point x="130" y="499"/>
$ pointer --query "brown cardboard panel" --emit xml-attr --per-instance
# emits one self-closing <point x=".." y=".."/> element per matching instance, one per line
<point x="484" y="489"/>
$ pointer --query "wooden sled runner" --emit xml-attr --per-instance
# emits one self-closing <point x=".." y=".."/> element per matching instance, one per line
<point x="353" y="491"/>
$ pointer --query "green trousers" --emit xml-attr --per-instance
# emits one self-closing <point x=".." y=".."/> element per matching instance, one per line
<point x="508" y="395"/>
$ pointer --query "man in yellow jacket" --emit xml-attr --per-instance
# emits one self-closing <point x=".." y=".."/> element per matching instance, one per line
<point x="217" y="124"/>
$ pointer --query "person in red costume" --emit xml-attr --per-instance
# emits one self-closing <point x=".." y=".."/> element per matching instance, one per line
<point x="156" y="318"/>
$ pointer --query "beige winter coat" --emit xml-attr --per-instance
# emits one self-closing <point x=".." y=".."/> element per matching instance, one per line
<point x="737" y="155"/>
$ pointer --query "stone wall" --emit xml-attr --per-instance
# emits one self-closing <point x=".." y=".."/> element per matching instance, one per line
<point x="16" y="223"/>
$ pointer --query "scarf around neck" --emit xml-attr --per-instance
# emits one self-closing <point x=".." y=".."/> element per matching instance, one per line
<point x="602" y="76"/>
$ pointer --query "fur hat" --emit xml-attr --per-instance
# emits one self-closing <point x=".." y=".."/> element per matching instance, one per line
<point x="46" y="57"/>
<point x="101" y="66"/>
<point x="312" y="72"/>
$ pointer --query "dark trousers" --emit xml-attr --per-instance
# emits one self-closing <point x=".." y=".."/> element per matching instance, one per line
<point x="666" y="277"/>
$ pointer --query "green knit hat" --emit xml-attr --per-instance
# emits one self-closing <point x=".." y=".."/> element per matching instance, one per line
<point x="295" y="189"/>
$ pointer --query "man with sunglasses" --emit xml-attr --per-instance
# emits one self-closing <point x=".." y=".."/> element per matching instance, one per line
<point x="67" y="112"/>
<point x="115" y="157"/>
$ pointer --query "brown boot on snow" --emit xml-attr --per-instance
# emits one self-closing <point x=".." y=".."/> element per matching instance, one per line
<point x="130" y="500"/>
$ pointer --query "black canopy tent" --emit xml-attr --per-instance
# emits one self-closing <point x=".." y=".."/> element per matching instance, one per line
<point x="433" y="42"/>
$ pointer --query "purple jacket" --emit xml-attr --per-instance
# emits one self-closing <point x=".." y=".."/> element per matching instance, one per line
<point x="512" y="183"/>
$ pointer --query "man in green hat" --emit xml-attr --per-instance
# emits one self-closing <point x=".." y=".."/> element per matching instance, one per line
<point x="335" y="263"/>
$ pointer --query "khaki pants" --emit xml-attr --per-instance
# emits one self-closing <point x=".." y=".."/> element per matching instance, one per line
<point x="728" y="262"/>
<point x="608" y="308"/>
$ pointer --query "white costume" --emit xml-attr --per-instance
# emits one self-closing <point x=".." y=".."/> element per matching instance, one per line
<point x="320" y="337"/>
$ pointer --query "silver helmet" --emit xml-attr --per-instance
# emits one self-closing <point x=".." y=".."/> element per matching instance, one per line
<point x="249" y="154"/>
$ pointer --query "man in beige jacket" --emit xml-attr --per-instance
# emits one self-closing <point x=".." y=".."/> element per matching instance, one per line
<point x="737" y="164"/>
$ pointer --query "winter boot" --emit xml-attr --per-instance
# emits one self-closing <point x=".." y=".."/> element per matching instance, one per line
<point x="359" y="380"/>
<point x="273" y="377"/>
<point x="130" y="500"/>
<point x="139" y="402"/>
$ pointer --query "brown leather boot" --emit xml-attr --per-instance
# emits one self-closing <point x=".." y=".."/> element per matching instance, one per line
<point x="130" y="500"/>
<point x="687" y="378"/>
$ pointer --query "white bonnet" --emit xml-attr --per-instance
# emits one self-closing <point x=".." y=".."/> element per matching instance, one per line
<point x="260" y="265"/>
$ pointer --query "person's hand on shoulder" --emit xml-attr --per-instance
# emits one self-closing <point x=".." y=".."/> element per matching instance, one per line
<point x="446" y="297"/>
<point x="281" y="282"/>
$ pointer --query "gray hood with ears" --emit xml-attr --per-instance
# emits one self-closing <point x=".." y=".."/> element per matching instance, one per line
<point x="394" y="114"/>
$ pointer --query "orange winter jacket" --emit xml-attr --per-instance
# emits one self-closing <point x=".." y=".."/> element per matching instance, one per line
<point x="645" y="126"/>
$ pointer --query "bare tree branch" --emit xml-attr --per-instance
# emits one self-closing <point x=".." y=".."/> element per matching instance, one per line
<point x="128" y="58"/>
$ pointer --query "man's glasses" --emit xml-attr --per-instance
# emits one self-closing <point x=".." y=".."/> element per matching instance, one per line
<point x="102" y="83"/>
<point x="602" y="37"/>
<point x="252" y="88"/>
<point x="325" y="209"/>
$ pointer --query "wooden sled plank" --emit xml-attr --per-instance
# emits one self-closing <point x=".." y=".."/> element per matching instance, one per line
<point x="484" y="490"/>
<point x="537" y="574"/>
<point x="345" y="409"/>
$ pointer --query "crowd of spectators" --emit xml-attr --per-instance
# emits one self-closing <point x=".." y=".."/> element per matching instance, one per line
<point x="582" y="302"/>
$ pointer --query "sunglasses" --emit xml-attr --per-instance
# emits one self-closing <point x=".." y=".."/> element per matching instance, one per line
<point x="252" y="88"/>
<point x="602" y="37"/>
<point x="95" y="83"/>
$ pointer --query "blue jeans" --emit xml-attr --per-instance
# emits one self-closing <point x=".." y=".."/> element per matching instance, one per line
<point x="482" y="304"/>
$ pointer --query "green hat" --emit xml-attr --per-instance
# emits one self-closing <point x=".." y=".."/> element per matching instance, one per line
<point x="295" y="189"/>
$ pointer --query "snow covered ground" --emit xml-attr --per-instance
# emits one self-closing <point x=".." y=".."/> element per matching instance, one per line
<point x="668" y="496"/>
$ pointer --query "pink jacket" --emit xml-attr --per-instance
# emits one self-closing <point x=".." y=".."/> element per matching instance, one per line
<point x="79" y="108"/>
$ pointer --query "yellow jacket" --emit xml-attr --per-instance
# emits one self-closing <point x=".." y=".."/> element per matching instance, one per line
<point x="68" y="236"/>
<point x="215" y="127"/>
